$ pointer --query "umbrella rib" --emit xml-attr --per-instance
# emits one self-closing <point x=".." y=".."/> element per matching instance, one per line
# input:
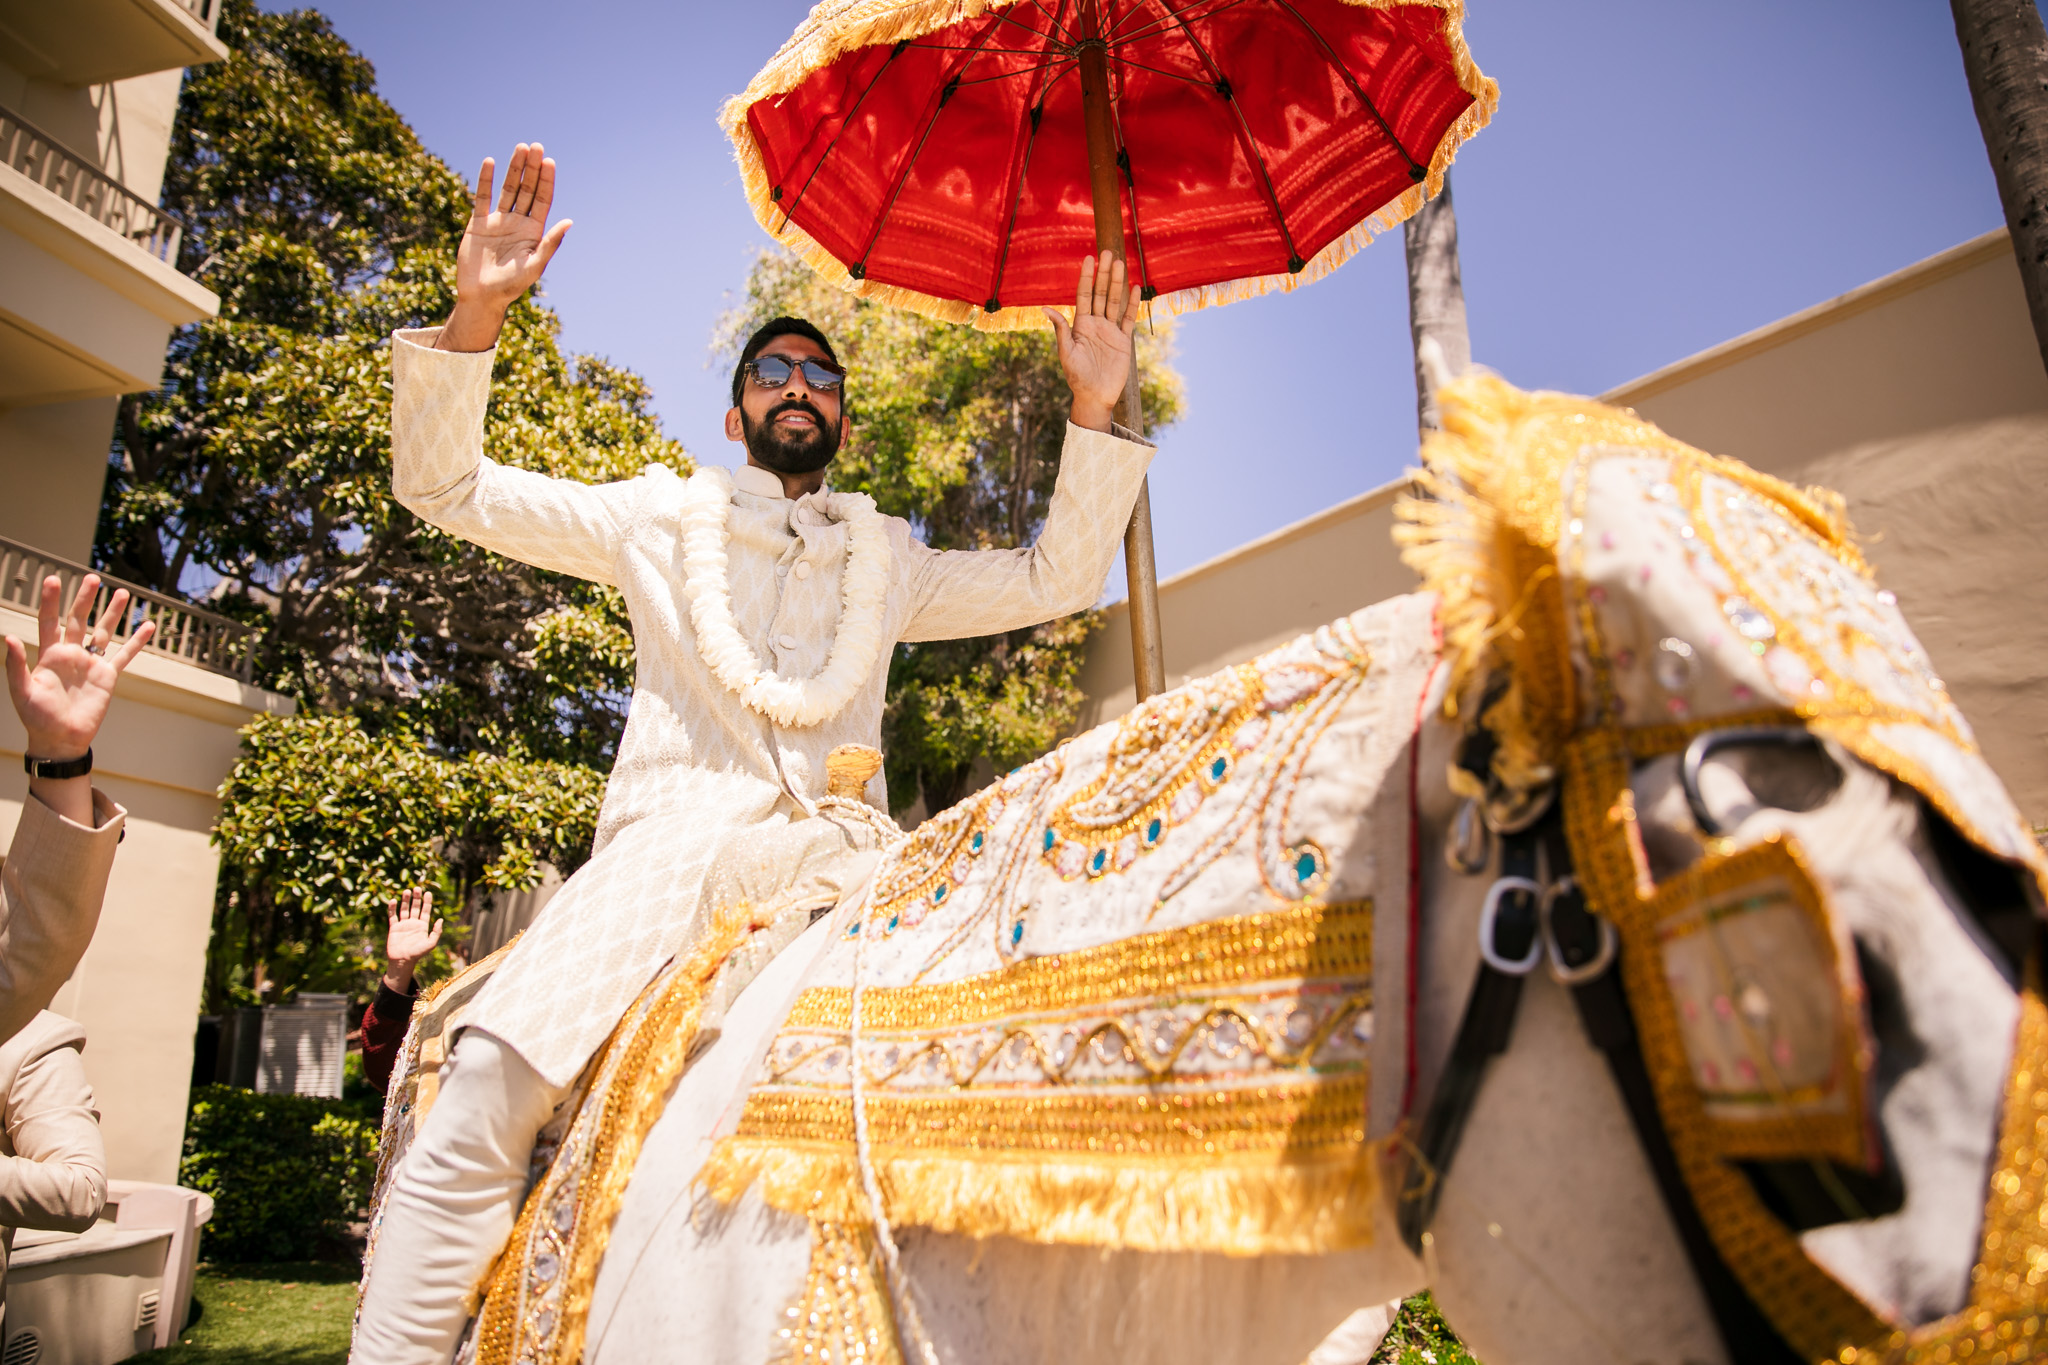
<point x="1123" y="156"/>
<point x="1415" y="170"/>
<point x="1161" y="25"/>
<point x="965" y="47"/>
<point x="995" y="289"/>
<point x="1020" y="71"/>
<point x="859" y="269"/>
<point x="789" y="209"/>
<point x="1175" y="75"/>
<point x="1052" y="18"/>
<point x="1004" y="18"/>
<point x="1251" y="145"/>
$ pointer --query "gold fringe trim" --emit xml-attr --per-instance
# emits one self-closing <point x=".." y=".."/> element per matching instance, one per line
<point x="833" y="30"/>
<point x="1482" y="532"/>
<point x="1256" y="1206"/>
<point x="644" y="1056"/>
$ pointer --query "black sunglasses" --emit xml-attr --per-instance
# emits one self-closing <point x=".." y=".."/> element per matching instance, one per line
<point x="773" y="371"/>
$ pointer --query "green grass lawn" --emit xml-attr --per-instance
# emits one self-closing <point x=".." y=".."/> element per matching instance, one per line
<point x="1420" y="1336"/>
<point x="298" y="1314"/>
<point x="293" y="1314"/>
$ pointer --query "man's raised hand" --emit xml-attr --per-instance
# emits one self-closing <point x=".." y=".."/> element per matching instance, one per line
<point x="504" y="248"/>
<point x="1095" y="351"/>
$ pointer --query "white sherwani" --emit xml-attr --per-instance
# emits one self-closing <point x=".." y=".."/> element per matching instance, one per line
<point x="695" y="763"/>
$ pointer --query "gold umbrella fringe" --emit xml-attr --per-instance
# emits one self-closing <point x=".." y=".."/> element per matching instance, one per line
<point x="1268" y="1205"/>
<point x="835" y="29"/>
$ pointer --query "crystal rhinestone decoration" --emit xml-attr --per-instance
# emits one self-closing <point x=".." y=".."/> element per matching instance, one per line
<point x="1675" y="665"/>
<point x="1750" y="623"/>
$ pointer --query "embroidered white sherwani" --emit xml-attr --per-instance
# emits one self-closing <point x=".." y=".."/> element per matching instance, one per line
<point x="695" y="763"/>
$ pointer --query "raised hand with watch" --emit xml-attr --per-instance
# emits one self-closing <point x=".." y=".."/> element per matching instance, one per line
<point x="63" y="698"/>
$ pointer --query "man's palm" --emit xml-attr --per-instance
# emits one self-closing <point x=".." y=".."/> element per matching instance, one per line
<point x="1095" y="349"/>
<point x="1098" y="358"/>
<point x="507" y="245"/>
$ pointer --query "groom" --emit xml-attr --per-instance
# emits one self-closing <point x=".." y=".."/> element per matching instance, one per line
<point x="764" y="611"/>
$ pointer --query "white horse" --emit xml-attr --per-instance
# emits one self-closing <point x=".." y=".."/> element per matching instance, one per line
<point x="1823" y="965"/>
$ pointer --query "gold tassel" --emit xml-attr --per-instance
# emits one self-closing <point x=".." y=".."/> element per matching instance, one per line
<point x="1239" y="1207"/>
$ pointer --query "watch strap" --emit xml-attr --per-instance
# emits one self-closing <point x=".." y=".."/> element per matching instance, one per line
<point x="57" y="768"/>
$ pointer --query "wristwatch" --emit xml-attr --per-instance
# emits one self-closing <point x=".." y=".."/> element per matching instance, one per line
<point x="57" y="768"/>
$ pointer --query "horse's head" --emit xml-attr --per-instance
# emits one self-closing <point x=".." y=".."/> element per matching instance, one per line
<point x="1937" y="932"/>
<point x="1825" y="899"/>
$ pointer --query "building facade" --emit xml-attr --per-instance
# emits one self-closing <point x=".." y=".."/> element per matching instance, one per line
<point x="89" y="297"/>
<point x="1920" y="398"/>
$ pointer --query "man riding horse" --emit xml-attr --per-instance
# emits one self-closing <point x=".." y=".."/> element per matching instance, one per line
<point x="764" y="609"/>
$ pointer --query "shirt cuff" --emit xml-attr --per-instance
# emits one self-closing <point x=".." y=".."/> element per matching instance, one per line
<point x="391" y="1005"/>
<point x="1118" y="434"/>
<point x="416" y="345"/>
<point x="108" y="815"/>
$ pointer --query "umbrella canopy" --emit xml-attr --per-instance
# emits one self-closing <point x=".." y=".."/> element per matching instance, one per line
<point x="932" y="154"/>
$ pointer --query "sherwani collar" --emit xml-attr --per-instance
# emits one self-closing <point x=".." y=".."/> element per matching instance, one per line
<point x="751" y="478"/>
<point x="750" y="482"/>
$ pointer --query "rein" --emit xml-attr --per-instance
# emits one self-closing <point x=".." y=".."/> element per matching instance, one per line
<point x="1535" y="910"/>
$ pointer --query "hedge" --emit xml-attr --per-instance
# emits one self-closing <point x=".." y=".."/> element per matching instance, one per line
<point x="288" y="1174"/>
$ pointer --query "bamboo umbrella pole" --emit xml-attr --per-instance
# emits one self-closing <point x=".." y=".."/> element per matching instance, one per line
<point x="1148" y="651"/>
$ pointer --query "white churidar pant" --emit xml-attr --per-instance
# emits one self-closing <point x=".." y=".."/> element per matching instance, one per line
<point x="452" y="1204"/>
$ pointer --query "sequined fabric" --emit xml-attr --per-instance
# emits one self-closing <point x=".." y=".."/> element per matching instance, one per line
<point x="1125" y="995"/>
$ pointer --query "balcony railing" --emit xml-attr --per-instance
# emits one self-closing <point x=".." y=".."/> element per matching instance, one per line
<point x="183" y="631"/>
<point x="56" y="168"/>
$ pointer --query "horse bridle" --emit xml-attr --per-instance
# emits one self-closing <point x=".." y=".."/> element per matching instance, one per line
<point x="1535" y="909"/>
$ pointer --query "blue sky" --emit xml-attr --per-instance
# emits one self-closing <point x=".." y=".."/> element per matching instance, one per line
<point x="1660" y="177"/>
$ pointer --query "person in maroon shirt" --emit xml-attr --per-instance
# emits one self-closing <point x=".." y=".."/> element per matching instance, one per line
<point x="384" y="1022"/>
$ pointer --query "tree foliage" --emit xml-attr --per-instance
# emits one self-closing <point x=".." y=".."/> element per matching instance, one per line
<point x="458" y="709"/>
<point x="960" y="432"/>
<point x="260" y="472"/>
<point x="324" y="822"/>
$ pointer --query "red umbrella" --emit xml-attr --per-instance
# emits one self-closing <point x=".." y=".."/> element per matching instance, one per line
<point x="957" y="158"/>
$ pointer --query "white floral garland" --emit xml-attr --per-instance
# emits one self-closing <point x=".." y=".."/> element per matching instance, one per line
<point x="707" y="505"/>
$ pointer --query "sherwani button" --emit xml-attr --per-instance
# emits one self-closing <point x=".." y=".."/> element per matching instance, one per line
<point x="803" y="568"/>
<point x="786" y="641"/>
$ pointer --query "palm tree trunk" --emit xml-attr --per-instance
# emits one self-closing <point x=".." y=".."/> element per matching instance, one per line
<point x="1436" y="294"/>
<point x="2005" y="53"/>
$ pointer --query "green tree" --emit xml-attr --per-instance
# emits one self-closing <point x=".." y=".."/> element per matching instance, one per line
<point x="260" y="472"/>
<point x="960" y="432"/>
<point x="458" y="709"/>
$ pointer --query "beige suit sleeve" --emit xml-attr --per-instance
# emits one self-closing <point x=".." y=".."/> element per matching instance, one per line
<point x="955" y="593"/>
<point x="51" y="887"/>
<point x="57" y="1177"/>
<point x="439" y="470"/>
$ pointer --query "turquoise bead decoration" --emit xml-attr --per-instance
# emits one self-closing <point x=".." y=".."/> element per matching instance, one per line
<point x="940" y="894"/>
<point x="1099" y="861"/>
<point x="1050" y="838"/>
<point x="1153" y="831"/>
<point x="1016" y="933"/>
<point x="974" y="844"/>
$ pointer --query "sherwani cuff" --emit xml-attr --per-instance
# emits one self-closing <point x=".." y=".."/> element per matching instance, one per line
<point x="1117" y="437"/>
<point x="51" y="887"/>
<point x="438" y="400"/>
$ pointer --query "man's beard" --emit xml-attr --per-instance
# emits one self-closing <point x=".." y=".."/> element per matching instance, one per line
<point x="799" y="453"/>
